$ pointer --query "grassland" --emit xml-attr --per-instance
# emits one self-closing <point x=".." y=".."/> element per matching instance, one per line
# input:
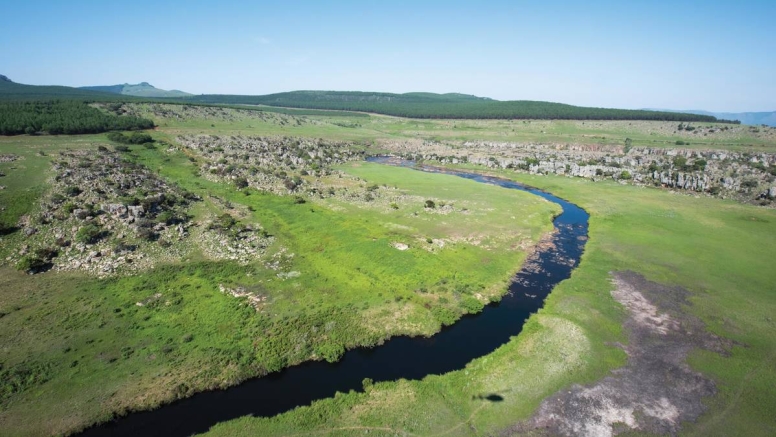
<point x="71" y="344"/>
<point x="720" y="251"/>
<point x="375" y="129"/>
<point x="77" y="349"/>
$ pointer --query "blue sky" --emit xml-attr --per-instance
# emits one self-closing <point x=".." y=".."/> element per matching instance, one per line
<point x="718" y="56"/>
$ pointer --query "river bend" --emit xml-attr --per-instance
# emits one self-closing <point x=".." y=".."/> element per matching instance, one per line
<point x="400" y="357"/>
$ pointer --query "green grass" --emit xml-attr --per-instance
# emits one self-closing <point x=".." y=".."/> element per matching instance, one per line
<point x="720" y="251"/>
<point x="76" y="350"/>
<point x="376" y="128"/>
<point x="69" y="358"/>
<point x="25" y="179"/>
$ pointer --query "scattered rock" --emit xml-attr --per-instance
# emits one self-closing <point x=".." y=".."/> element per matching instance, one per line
<point x="741" y="175"/>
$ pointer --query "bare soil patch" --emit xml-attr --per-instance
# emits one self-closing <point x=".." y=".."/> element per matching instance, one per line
<point x="656" y="391"/>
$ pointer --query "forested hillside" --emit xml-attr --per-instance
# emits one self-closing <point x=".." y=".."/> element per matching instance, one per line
<point x="412" y="105"/>
<point x="429" y="105"/>
<point x="62" y="117"/>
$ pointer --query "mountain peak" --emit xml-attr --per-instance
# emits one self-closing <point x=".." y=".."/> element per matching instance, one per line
<point x="4" y="78"/>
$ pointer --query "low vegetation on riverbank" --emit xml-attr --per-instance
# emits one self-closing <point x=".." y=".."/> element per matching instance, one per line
<point x="334" y="271"/>
<point x="718" y="251"/>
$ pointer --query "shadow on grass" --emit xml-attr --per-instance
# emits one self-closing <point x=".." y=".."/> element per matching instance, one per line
<point x="493" y="397"/>
<point x="7" y="230"/>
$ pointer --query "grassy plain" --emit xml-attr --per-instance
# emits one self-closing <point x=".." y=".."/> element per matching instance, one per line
<point x="372" y="129"/>
<point x="69" y="344"/>
<point x="720" y="251"/>
<point x="76" y="350"/>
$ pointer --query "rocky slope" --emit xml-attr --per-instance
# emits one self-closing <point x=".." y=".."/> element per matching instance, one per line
<point x="745" y="176"/>
<point x="106" y="215"/>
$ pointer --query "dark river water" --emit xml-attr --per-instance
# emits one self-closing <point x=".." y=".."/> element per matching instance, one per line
<point x="400" y="357"/>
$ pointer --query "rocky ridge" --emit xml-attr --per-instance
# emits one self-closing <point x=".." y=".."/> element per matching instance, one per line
<point x="272" y="164"/>
<point x="106" y="215"/>
<point x="745" y="176"/>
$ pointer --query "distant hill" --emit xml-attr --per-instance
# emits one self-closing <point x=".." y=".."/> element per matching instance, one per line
<point x="412" y="105"/>
<point x="10" y="90"/>
<point x="752" y="118"/>
<point x="430" y="105"/>
<point x="143" y="89"/>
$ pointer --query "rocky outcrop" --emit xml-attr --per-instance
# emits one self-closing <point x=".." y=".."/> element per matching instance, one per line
<point x="744" y="176"/>
<point x="273" y="164"/>
<point x="105" y="215"/>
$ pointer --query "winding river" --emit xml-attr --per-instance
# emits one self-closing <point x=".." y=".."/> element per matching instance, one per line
<point x="400" y="357"/>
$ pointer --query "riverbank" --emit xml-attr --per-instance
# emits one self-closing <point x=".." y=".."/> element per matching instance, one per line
<point x="399" y="358"/>
<point x="332" y="279"/>
<point x="718" y="251"/>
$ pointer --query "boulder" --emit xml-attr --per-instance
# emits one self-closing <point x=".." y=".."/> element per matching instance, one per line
<point x="136" y="211"/>
<point x="115" y="209"/>
<point x="81" y="213"/>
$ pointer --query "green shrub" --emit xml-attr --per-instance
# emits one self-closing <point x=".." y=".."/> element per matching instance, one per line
<point x="133" y="138"/>
<point x="22" y="376"/>
<point x="241" y="183"/>
<point x="147" y="234"/>
<point x="32" y="263"/>
<point x="226" y="221"/>
<point x="445" y="316"/>
<point x="471" y="304"/>
<point x="89" y="234"/>
<point x="47" y="253"/>
<point x="73" y="191"/>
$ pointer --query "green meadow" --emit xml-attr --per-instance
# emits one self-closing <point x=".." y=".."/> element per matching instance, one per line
<point x="373" y="128"/>
<point x="720" y="251"/>
<point x="76" y="350"/>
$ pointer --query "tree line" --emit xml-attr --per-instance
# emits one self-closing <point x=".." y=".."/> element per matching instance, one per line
<point x="456" y="106"/>
<point x="63" y="117"/>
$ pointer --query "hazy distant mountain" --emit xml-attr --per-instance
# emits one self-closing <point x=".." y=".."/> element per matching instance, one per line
<point x="753" y="118"/>
<point x="10" y="90"/>
<point x="143" y="89"/>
